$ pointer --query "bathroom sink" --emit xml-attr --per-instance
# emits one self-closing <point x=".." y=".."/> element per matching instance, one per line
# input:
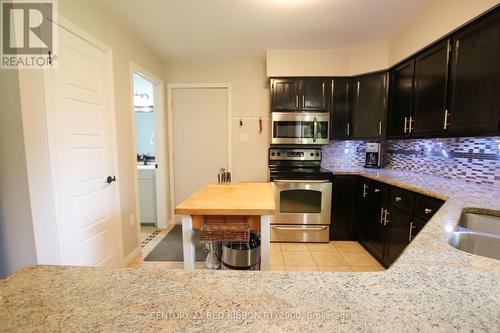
<point x="477" y="233"/>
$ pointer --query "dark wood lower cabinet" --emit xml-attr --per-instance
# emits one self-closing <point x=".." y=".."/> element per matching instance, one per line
<point x="343" y="205"/>
<point x="397" y="224"/>
<point x="383" y="218"/>
<point x="375" y="240"/>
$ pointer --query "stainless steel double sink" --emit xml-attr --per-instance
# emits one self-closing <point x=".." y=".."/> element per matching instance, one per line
<point x="478" y="232"/>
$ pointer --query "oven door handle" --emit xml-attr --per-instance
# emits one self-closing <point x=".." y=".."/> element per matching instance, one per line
<point x="303" y="229"/>
<point x="288" y="181"/>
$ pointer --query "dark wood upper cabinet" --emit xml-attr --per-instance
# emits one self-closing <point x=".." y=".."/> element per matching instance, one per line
<point x="401" y="99"/>
<point x="369" y="106"/>
<point x="340" y="109"/>
<point x="417" y="97"/>
<point x="285" y="94"/>
<point x="474" y="95"/>
<point x="294" y="95"/>
<point x="314" y="95"/>
<point x="431" y="76"/>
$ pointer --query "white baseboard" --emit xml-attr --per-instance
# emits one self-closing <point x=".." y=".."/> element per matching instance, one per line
<point x="132" y="255"/>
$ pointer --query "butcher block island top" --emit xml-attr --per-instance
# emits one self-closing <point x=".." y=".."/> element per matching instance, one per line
<point x="230" y="199"/>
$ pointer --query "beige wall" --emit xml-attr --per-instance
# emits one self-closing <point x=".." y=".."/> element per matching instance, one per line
<point x="360" y="59"/>
<point x="437" y="19"/>
<point x="17" y="243"/>
<point x="307" y="62"/>
<point x="250" y="99"/>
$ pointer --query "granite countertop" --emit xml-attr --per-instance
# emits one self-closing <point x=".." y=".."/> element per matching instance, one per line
<point x="431" y="287"/>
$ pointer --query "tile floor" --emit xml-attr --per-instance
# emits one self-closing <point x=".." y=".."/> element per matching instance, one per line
<point x="336" y="256"/>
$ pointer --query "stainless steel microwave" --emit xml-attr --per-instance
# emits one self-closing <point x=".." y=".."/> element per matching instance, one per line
<point x="311" y="128"/>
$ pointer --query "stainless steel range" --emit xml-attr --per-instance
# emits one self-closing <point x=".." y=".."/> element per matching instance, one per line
<point x="303" y="195"/>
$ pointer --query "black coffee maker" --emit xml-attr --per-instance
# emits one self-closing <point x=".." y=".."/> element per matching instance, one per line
<point x="373" y="155"/>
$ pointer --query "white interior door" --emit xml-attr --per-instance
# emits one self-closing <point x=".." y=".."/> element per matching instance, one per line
<point x="200" y="138"/>
<point x="79" y="118"/>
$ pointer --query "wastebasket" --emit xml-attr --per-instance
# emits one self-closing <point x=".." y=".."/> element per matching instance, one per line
<point x="242" y="255"/>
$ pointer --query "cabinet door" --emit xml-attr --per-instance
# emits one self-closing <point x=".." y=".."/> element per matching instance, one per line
<point x="431" y="75"/>
<point x="400" y="100"/>
<point x="474" y="98"/>
<point x="314" y="95"/>
<point x="397" y="223"/>
<point x="285" y="94"/>
<point x="344" y="197"/>
<point x="369" y="106"/>
<point x="340" y="110"/>
<point x="375" y="241"/>
<point x="362" y="210"/>
<point x="415" y="227"/>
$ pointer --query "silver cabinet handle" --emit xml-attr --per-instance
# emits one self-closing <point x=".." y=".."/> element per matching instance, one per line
<point x="446" y="115"/>
<point x="377" y="190"/>
<point x="410" y="236"/>
<point x="386" y="218"/>
<point x="303" y="101"/>
<point x="297" y="101"/>
<point x="295" y="229"/>
<point x="406" y="120"/>
<point x="381" y="215"/>
<point x="380" y="127"/>
<point x="365" y="188"/>
<point x="348" y="128"/>
<point x="398" y="199"/>
<point x="410" y="128"/>
<point x="428" y="211"/>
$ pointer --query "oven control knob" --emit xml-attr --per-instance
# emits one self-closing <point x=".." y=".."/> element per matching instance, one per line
<point x="279" y="154"/>
<point x="317" y="154"/>
<point x="312" y="154"/>
<point x="272" y="154"/>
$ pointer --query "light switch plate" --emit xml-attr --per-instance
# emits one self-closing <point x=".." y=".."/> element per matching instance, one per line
<point x="244" y="137"/>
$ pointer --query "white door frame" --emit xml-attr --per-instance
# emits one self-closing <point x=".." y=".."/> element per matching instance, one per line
<point x="170" y="88"/>
<point x="160" y="147"/>
<point x="67" y="25"/>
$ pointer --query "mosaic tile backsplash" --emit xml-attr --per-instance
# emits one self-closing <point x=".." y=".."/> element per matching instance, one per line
<point x="475" y="160"/>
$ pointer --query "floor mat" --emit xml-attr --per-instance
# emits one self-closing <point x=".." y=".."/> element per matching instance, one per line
<point x="170" y="247"/>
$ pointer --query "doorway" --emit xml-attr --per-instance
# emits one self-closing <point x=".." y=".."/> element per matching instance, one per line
<point x="150" y="151"/>
<point x="200" y="137"/>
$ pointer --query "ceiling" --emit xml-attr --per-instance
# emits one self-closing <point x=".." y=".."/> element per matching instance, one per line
<point x="206" y="29"/>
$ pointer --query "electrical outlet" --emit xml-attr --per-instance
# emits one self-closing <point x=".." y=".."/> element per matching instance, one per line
<point x="132" y="220"/>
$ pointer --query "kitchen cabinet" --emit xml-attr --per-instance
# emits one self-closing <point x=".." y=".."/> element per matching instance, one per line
<point x="418" y="94"/>
<point x="431" y="76"/>
<point x="369" y="106"/>
<point x="285" y="94"/>
<point x="147" y="195"/>
<point x="341" y="124"/>
<point x="296" y="95"/>
<point x="343" y="207"/>
<point x="393" y="217"/>
<point x="400" y="99"/>
<point x="376" y="232"/>
<point x="362" y="209"/>
<point x="474" y="98"/>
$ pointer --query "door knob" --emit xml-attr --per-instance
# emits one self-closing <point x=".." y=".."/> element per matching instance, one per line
<point x="110" y="179"/>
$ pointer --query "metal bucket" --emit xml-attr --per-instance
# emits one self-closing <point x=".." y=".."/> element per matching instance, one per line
<point x="240" y="256"/>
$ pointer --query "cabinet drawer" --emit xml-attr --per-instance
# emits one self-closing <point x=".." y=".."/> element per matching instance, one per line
<point x="402" y="199"/>
<point x="378" y="191"/>
<point x="426" y="206"/>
